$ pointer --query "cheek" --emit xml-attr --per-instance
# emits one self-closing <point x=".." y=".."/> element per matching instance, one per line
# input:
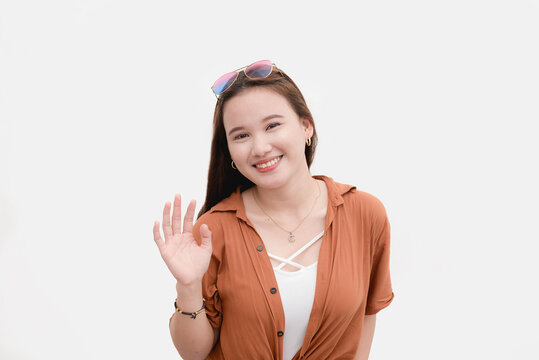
<point x="237" y="151"/>
<point x="293" y="143"/>
<point x="233" y="151"/>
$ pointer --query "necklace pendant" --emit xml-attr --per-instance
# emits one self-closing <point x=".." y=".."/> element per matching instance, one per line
<point x="291" y="238"/>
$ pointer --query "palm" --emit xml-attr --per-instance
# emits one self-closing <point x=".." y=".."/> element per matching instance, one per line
<point x="186" y="260"/>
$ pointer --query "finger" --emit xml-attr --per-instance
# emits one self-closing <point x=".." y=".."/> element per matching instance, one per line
<point x="157" y="236"/>
<point x="177" y="215"/>
<point x="205" y="235"/>
<point x="189" y="216"/>
<point x="167" y="230"/>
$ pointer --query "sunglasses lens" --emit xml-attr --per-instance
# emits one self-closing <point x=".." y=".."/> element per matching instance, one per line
<point x="224" y="82"/>
<point x="259" y="69"/>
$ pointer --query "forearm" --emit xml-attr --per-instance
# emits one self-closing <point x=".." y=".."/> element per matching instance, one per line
<point x="193" y="338"/>
<point x="367" y="334"/>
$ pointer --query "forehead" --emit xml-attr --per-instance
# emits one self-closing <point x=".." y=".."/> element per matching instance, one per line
<point x="254" y="104"/>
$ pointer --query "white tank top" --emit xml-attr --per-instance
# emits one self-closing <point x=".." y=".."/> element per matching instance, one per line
<point x="297" y="296"/>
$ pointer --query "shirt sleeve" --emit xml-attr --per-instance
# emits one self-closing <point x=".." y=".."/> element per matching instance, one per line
<point x="211" y="294"/>
<point x="380" y="290"/>
<point x="210" y="291"/>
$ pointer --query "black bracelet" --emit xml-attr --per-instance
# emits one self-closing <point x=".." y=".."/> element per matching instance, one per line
<point x="193" y="314"/>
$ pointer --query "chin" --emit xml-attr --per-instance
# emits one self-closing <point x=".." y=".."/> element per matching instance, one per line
<point x="269" y="182"/>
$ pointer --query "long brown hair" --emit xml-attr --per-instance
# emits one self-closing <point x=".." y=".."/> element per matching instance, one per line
<point x="222" y="178"/>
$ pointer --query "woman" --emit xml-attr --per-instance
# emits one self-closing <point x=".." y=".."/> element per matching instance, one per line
<point x="280" y="264"/>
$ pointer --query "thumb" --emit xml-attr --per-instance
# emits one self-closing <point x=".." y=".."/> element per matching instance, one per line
<point x="205" y="234"/>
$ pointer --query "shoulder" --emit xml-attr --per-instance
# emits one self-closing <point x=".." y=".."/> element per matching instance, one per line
<point x="368" y="202"/>
<point x="369" y="211"/>
<point x="212" y="219"/>
<point x="351" y="194"/>
<point x="221" y="219"/>
<point x="221" y="213"/>
<point x="363" y="203"/>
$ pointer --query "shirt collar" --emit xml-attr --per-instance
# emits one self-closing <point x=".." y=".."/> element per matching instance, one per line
<point x="235" y="201"/>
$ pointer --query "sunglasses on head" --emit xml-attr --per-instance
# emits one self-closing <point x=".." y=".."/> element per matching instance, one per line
<point x="257" y="70"/>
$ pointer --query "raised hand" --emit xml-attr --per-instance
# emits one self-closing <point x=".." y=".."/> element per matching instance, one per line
<point x="186" y="260"/>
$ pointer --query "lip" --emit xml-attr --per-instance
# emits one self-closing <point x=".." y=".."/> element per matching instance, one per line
<point x="271" y="167"/>
<point x="266" y="160"/>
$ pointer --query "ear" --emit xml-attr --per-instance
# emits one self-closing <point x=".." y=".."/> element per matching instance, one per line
<point x="307" y="127"/>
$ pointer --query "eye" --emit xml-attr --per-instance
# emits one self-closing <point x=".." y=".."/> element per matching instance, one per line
<point x="270" y="126"/>
<point x="239" y="136"/>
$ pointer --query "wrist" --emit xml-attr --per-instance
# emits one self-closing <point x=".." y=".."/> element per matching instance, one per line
<point x="192" y="289"/>
<point x="192" y="314"/>
<point x="189" y="297"/>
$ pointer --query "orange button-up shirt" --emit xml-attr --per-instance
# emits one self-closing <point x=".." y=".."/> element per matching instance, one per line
<point x="353" y="279"/>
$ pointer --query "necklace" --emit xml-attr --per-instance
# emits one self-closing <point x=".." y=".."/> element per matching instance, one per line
<point x="291" y="237"/>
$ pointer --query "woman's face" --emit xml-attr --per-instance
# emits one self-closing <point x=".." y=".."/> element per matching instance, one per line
<point x="266" y="138"/>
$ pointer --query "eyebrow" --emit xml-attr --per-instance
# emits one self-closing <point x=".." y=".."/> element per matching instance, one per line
<point x="269" y="117"/>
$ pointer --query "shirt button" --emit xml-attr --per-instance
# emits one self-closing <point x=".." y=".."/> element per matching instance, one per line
<point x="273" y="290"/>
<point x="260" y="248"/>
<point x="280" y="333"/>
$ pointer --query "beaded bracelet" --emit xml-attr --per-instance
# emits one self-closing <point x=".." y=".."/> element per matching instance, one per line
<point x="193" y="314"/>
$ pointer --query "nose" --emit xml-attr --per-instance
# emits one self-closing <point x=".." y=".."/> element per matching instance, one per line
<point x="261" y="146"/>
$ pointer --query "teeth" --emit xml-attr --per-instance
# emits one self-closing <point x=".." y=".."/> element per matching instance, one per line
<point x="269" y="163"/>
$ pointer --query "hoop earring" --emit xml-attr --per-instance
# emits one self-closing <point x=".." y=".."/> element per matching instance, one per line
<point x="308" y="142"/>
<point x="232" y="163"/>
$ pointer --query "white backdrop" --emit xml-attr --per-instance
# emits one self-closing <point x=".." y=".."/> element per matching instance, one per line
<point x="105" y="114"/>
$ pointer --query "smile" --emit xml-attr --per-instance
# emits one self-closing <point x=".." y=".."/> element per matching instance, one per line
<point x="269" y="164"/>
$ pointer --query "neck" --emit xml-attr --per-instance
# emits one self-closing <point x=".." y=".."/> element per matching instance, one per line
<point x="295" y="197"/>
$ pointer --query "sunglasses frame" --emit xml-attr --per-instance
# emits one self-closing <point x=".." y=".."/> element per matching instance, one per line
<point x="237" y="71"/>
